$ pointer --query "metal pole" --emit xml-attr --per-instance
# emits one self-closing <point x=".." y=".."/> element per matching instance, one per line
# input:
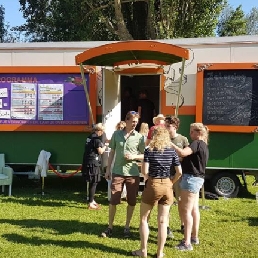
<point x="180" y="87"/>
<point x="86" y="92"/>
<point x="203" y="207"/>
<point x="42" y="185"/>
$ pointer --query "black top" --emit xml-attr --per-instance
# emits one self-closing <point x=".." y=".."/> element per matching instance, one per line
<point x="147" y="110"/>
<point x="91" y="156"/>
<point x="195" y="163"/>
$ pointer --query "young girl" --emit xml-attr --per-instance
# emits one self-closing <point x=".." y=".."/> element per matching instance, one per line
<point x="144" y="129"/>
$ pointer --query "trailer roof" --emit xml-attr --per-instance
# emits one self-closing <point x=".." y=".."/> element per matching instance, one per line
<point x="135" y="51"/>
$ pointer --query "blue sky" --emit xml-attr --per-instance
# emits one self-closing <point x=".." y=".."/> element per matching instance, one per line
<point x="14" y="17"/>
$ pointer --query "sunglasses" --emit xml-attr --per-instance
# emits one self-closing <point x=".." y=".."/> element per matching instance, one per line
<point x="133" y="112"/>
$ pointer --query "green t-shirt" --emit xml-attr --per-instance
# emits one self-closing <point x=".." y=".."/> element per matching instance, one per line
<point x="134" y="144"/>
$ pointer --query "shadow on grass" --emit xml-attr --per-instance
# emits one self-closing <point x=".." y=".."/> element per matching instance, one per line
<point x="36" y="241"/>
<point x="66" y="227"/>
<point x="253" y="221"/>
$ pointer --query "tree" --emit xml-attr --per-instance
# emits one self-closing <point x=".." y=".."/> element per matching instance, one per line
<point x="252" y="22"/>
<point x="74" y="20"/>
<point x="232" y="22"/>
<point x="2" y="27"/>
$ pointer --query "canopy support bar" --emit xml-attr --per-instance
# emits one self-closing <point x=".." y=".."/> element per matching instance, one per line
<point x="86" y="92"/>
<point x="180" y="87"/>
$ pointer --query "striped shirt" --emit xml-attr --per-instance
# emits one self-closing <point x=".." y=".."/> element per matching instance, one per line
<point x="160" y="162"/>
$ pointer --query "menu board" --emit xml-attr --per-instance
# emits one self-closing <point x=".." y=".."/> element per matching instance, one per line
<point x="230" y="97"/>
<point x="49" y="99"/>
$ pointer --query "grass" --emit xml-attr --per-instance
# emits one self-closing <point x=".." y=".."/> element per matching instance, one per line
<point x="59" y="224"/>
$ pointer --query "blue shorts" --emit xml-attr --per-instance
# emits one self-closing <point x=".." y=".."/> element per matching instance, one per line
<point x="191" y="183"/>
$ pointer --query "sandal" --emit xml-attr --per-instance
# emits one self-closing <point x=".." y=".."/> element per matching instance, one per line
<point x="138" y="253"/>
<point x="163" y="255"/>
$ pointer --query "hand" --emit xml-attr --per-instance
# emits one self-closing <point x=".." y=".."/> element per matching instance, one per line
<point x="129" y="156"/>
<point x="108" y="174"/>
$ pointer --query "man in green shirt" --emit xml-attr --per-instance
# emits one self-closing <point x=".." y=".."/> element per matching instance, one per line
<point x="127" y="146"/>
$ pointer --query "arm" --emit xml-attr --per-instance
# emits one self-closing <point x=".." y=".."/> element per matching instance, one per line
<point x="110" y="159"/>
<point x="145" y="170"/>
<point x="139" y="110"/>
<point x="182" y="152"/>
<point x="101" y="149"/>
<point x="178" y="174"/>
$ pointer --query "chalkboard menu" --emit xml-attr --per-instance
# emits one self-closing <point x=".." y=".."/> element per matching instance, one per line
<point x="230" y="97"/>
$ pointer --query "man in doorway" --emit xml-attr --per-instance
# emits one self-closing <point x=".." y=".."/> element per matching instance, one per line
<point x="128" y="102"/>
<point x="146" y="108"/>
<point x="127" y="146"/>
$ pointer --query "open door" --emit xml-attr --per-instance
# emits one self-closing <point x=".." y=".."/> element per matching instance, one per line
<point x="111" y="100"/>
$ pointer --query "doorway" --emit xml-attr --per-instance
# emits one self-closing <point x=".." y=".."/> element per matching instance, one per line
<point x="136" y="83"/>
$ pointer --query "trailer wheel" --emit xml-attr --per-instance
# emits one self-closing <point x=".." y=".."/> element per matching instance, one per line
<point x="225" y="184"/>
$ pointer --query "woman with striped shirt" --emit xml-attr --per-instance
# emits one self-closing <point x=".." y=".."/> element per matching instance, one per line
<point x="158" y="158"/>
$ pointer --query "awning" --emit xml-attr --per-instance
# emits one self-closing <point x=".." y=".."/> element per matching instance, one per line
<point x="132" y="52"/>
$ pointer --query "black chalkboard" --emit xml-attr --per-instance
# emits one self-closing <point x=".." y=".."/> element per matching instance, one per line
<point x="230" y="97"/>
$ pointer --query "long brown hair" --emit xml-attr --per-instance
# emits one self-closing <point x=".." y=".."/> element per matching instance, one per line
<point x="160" y="139"/>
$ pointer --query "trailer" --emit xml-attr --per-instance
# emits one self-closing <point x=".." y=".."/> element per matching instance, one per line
<point x="216" y="85"/>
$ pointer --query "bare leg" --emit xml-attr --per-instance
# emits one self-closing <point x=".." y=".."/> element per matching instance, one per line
<point x="187" y="203"/>
<point x="196" y="217"/>
<point x="112" y="213"/>
<point x="129" y="214"/>
<point x="145" y="210"/>
<point x="163" y="214"/>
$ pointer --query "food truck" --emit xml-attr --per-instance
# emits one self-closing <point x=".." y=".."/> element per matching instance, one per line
<point x="52" y="93"/>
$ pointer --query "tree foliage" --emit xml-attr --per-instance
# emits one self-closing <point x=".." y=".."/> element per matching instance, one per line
<point x="75" y="20"/>
<point x="252" y="22"/>
<point x="2" y="27"/>
<point x="232" y="22"/>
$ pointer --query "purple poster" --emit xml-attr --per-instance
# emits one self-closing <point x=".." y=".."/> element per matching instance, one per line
<point x="43" y="99"/>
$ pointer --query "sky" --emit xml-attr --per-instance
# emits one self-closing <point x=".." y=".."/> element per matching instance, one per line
<point x="14" y="17"/>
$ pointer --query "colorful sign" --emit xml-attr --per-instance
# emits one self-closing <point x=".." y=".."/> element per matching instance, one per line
<point x="43" y="99"/>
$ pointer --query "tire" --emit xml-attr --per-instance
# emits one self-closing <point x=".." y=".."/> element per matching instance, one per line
<point x="225" y="184"/>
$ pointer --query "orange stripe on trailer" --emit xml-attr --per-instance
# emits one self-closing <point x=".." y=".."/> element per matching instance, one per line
<point x="184" y="110"/>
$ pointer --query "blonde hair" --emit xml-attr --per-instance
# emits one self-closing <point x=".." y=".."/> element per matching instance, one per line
<point x="99" y="127"/>
<point x="203" y="129"/>
<point x="121" y="123"/>
<point x="160" y="139"/>
<point x="144" y="129"/>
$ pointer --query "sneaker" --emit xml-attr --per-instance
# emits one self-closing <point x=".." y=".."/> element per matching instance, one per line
<point x="127" y="233"/>
<point x="169" y="233"/>
<point x="182" y="229"/>
<point x="183" y="247"/>
<point x="106" y="233"/>
<point x="195" y="241"/>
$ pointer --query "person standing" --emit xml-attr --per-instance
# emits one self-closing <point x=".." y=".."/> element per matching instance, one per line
<point x="195" y="158"/>
<point x="158" y="120"/>
<point x="91" y="165"/>
<point x="128" y="101"/>
<point x="128" y="147"/>
<point x="158" y="158"/>
<point x="146" y="109"/>
<point x="172" y="124"/>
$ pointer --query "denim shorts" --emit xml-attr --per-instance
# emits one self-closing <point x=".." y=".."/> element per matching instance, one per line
<point x="191" y="183"/>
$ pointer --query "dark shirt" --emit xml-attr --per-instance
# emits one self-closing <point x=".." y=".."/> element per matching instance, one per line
<point x="91" y="156"/>
<point x="160" y="162"/>
<point x="195" y="163"/>
<point x="147" y="111"/>
<point x="128" y="104"/>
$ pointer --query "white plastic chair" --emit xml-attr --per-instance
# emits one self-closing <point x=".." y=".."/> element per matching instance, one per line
<point x="6" y="175"/>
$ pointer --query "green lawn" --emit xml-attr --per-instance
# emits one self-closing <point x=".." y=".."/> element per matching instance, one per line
<point x="59" y="224"/>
